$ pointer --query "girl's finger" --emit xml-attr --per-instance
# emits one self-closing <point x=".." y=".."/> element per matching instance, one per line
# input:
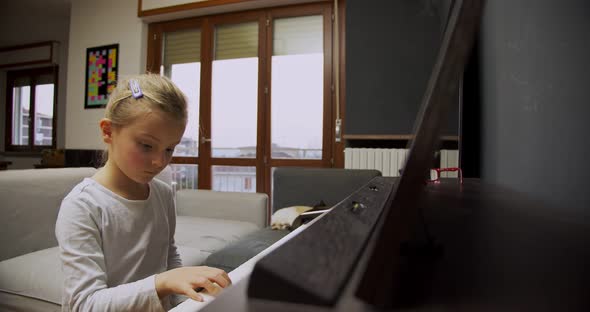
<point x="191" y="293"/>
<point x="222" y="280"/>
<point x="210" y="287"/>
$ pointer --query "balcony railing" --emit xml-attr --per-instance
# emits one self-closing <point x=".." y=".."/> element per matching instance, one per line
<point x="243" y="179"/>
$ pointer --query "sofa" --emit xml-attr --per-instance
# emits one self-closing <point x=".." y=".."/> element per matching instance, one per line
<point x="30" y="268"/>
<point x="293" y="186"/>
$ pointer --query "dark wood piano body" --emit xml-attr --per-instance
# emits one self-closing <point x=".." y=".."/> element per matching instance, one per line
<point x="502" y="251"/>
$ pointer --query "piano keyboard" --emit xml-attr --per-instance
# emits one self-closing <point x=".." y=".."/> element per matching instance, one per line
<point x="239" y="274"/>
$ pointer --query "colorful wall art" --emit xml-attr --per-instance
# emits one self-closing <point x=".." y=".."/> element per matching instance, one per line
<point x="101" y="74"/>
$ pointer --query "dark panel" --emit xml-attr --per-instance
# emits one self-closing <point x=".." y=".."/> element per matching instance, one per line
<point x="83" y="158"/>
<point x="470" y="109"/>
<point x="535" y="100"/>
<point x="390" y="50"/>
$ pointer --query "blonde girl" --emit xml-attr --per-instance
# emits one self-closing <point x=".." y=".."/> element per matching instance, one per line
<point x="116" y="229"/>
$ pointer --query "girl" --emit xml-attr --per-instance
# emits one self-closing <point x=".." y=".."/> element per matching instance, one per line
<point x="116" y="230"/>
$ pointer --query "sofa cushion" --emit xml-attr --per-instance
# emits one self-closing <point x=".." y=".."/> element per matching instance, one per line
<point x="18" y="303"/>
<point x="238" y="252"/>
<point x="207" y="235"/>
<point x="247" y="207"/>
<point x="192" y="256"/>
<point x="37" y="275"/>
<point x="30" y="203"/>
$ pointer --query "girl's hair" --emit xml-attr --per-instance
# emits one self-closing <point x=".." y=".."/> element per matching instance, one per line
<point x="158" y="93"/>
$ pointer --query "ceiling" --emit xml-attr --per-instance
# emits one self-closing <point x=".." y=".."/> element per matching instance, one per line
<point x="35" y="8"/>
<point x="28" y="21"/>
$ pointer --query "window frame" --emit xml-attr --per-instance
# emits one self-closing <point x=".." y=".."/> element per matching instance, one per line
<point x="264" y="163"/>
<point x="33" y="74"/>
<point x="329" y="118"/>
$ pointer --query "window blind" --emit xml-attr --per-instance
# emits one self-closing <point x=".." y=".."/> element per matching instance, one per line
<point x="182" y="47"/>
<point x="298" y="35"/>
<point x="44" y="79"/>
<point x="37" y="79"/>
<point x="236" y="41"/>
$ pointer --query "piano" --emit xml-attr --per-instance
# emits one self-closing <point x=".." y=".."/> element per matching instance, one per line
<point x="404" y="244"/>
<point x="502" y="251"/>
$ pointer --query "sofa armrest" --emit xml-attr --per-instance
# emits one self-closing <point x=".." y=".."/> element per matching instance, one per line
<point x="248" y="207"/>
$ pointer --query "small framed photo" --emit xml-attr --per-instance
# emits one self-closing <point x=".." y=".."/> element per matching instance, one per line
<point x="102" y="64"/>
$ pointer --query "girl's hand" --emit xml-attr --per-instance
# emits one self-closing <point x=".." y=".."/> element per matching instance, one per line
<point x="185" y="280"/>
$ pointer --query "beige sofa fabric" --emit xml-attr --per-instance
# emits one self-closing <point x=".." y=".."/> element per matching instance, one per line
<point x="223" y="205"/>
<point x="30" y="200"/>
<point x="18" y="303"/>
<point x="208" y="234"/>
<point x="34" y="275"/>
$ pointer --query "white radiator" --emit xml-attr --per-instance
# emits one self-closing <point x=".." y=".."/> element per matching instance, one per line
<point x="390" y="160"/>
<point x="449" y="159"/>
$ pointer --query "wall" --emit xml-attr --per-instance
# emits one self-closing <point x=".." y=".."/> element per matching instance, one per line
<point x="96" y="23"/>
<point x="391" y="47"/>
<point x="534" y="64"/>
<point x="22" y="24"/>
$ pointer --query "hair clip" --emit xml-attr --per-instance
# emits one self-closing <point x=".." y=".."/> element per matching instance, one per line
<point x="135" y="89"/>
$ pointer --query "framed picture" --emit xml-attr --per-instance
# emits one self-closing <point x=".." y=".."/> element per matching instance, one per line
<point x="102" y="64"/>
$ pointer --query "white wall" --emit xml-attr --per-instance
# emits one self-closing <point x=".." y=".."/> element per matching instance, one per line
<point x="96" y="23"/>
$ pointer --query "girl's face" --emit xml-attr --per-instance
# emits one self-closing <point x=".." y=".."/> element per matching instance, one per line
<point x="144" y="148"/>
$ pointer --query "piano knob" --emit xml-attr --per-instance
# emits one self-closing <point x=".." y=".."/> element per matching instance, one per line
<point x="357" y="207"/>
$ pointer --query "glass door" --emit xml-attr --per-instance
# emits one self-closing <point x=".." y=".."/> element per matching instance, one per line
<point x="180" y="60"/>
<point x="234" y="106"/>
<point x="300" y="99"/>
<point x="259" y="89"/>
<point x="297" y="98"/>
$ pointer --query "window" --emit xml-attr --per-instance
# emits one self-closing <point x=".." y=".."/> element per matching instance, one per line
<point x="259" y="87"/>
<point x="182" y="64"/>
<point x="297" y="88"/>
<point x="234" y="98"/>
<point x="30" y="109"/>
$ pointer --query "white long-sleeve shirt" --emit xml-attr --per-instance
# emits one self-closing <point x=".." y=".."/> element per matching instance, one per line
<point x="111" y="248"/>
